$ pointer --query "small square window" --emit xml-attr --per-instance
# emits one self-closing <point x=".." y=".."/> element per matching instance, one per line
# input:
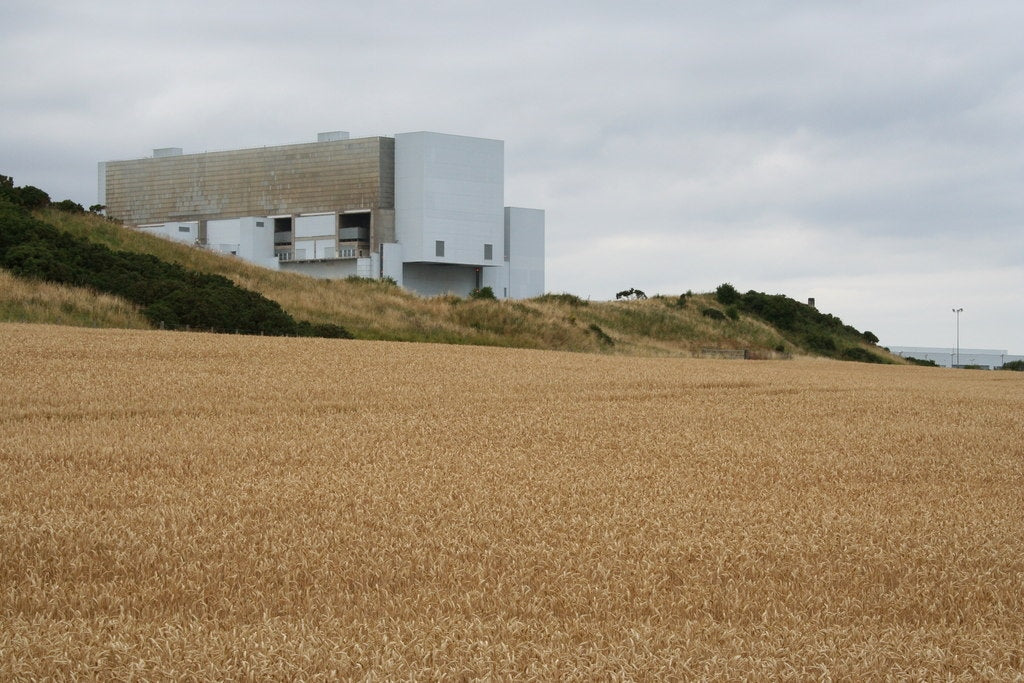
<point x="439" y="248"/>
<point x="488" y="252"/>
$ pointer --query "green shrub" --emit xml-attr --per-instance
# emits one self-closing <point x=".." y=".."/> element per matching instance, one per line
<point x="726" y="294"/>
<point x="925" y="363"/>
<point x="27" y="197"/>
<point x="732" y="313"/>
<point x="856" y="353"/>
<point x="326" y="330"/>
<point x="482" y="293"/>
<point x="1014" y="365"/>
<point x="68" y="206"/>
<point x="713" y="313"/>
<point x="820" y="343"/>
<point x="567" y="299"/>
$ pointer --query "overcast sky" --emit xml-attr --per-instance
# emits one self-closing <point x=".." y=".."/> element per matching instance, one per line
<point x="867" y="154"/>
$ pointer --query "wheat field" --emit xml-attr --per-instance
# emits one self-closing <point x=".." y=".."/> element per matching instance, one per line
<point x="193" y="507"/>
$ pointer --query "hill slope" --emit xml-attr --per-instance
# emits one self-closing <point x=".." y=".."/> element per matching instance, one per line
<point x="380" y="310"/>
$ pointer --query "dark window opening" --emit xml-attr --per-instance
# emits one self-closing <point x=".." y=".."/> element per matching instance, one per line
<point x="439" y="248"/>
<point x="488" y="252"/>
<point x="354" y="227"/>
<point x="283" y="230"/>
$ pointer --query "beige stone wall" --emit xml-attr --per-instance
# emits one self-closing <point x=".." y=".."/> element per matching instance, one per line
<point x="305" y="178"/>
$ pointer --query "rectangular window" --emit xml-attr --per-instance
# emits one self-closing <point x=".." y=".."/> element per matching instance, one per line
<point x="259" y="224"/>
<point x="439" y="248"/>
<point x="488" y="252"/>
<point x="184" y="228"/>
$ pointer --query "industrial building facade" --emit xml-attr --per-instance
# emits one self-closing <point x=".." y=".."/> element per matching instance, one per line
<point x="425" y="209"/>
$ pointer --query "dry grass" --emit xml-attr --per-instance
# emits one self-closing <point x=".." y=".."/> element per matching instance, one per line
<point x="373" y="310"/>
<point x="184" y="506"/>
<point x="33" y="301"/>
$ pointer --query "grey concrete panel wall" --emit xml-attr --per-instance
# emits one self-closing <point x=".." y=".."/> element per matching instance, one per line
<point x="305" y="178"/>
<point x="387" y="173"/>
<point x="383" y="228"/>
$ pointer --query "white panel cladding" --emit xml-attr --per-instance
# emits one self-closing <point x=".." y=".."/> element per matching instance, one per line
<point x="364" y="267"/>
<point x="449" y="188"/>
<point x="332" y="136"/>
<point x="186" y="232"/>
<point x="224" y="235"/>
<point x="256" y="240"/>
<point x="524" y="230"/>
<point x="391" y="262"/>
<point x="431" y="279"/>
<point x="316" y="248"/>
<point x="324" y="269"/>
<point x="496" y="277"/>
<point x="317" y="225"/>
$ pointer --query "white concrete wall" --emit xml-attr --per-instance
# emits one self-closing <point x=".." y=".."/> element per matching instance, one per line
<point x="250" y="238"/>
<point x="391" y="263"/>
<point x="224" y="235"/>
<point x="187" y="232"/>
<point x="256" y="241"/>
<point x="306" y="248"/>
<point x="364" y="268"/>
<point x="317" y="225"/>
<point x="431" y="279"/>
<point x="323" y="269"/>
<point x="449" y="188"/>
<point x="496" y="277"/>
<point x="524" y="230"/>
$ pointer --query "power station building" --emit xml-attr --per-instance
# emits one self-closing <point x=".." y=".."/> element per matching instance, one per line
<point x="425" y="209"/>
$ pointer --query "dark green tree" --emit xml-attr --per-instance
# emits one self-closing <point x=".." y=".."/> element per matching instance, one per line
<point x="726" y="294"/>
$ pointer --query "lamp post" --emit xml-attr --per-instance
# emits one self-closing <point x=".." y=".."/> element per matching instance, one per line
<point x="958" y="311"/>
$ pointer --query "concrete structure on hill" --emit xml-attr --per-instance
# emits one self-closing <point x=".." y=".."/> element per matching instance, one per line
<point x="425" y="209"/>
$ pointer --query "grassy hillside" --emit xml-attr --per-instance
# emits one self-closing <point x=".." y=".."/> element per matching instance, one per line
<point x="33" y="301"/>
<point x="379" y="310"/>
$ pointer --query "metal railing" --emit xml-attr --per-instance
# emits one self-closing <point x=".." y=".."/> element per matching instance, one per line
<point x="328" y="254"/>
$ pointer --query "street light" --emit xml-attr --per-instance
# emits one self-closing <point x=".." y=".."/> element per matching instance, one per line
<point x="958" y="311"/>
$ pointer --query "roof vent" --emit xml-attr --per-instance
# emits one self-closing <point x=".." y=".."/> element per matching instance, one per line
<point x="167" y="152"/>
<point x="332" y="136"/>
